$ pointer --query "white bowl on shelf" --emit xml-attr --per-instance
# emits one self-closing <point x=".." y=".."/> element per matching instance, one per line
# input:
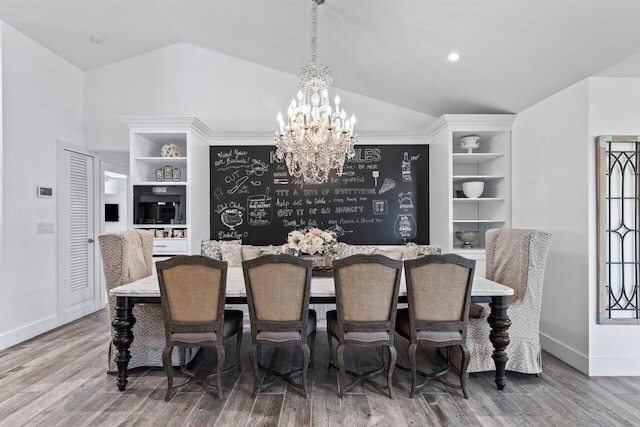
<point x="470" y="143"/>
<point x="473" y="189"/>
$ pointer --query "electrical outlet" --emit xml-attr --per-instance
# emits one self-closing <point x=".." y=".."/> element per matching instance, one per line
<point x="44" y="227"/>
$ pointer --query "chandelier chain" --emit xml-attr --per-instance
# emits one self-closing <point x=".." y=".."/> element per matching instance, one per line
<point x="314" y="31"/>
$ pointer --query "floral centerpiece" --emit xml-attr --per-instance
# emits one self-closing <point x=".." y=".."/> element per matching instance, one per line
<point x="311" y="241"/>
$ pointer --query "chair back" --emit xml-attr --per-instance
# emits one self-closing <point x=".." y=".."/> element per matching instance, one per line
<point x="439" y="292"/>
<point x="278" y="291"/>
<point x="192" y="292"/>
<point x="517" y="258"/>
<point x="126" y="256"/>
<point x="367" y="289"/>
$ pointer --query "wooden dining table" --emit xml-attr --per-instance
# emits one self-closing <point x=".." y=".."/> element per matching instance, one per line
<point x="147" y="291"/>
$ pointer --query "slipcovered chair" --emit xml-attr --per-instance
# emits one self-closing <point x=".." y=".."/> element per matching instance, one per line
<point x="439" y="297"/>
<point x="192" y="291"/>
<point x="126" y="257"/>
<point x="367" y="289"/>
<point x="515" y="258"/>
<point x="278" y="292"/>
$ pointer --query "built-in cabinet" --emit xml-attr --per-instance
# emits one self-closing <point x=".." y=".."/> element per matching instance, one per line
<point x="451" y="166"/>
<point x="169" y="194"/>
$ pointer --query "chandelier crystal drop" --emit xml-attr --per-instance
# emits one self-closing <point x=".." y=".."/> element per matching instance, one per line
<point x="317" y="136"/>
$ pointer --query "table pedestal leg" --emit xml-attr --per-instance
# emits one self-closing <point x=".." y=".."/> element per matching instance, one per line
<point x="500" y="323"/>
<point x="123" y="337"/>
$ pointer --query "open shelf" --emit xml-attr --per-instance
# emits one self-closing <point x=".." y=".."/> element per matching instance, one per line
<point x="485" y="178"/>
<point x="474" y="158"/>
<point x="478" y="199"/>
<point x="476" y="221"/>
<point x="160" y="161"/>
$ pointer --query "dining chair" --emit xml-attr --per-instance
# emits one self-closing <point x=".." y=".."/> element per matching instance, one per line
<point x="439" y="297"/>
<point x="127" y="257"/>
<point x="278" y="291"/>
<point x="515" y="258"/>
<point x="192" y="293"/>
<point x="367" y="289"/>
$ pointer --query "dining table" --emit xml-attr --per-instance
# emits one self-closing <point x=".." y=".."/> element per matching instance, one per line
<point x="147" y="291"/>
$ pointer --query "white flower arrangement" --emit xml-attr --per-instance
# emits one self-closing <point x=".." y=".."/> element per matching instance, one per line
<point x="311" y="241"/>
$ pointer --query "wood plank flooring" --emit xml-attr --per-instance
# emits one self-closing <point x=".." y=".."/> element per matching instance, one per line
<point x="59" y="379"/>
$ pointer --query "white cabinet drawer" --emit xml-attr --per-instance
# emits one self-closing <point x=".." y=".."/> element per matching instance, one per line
<point x="170" y="246"/>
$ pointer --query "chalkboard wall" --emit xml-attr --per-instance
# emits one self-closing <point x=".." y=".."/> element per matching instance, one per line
<point x="381" y="198"/>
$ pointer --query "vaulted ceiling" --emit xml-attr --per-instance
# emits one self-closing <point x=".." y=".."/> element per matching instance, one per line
<point x="514" y="52"/>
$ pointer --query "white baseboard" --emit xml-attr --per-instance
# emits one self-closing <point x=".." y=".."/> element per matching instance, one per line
<point x="614" y="367"/>
<point x="565" y="353"/>
<point x="80" y="310"/>
<point x="26" y="332"/>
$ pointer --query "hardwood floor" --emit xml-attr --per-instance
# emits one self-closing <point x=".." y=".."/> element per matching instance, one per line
<point x="58" y="379"/>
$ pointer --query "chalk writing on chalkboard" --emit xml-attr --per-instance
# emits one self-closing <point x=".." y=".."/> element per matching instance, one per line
<point x="381" y="198"/>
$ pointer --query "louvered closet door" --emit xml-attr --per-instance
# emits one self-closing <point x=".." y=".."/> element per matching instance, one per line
<point x="77" y="232"/>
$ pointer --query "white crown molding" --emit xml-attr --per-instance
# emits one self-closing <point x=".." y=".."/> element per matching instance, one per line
<point x="174" y="123"/>
<point x="167" y="123"/>
<point x="242" y="137"/>
<point x="472" y="122"/>
<point x="260" y="137"/>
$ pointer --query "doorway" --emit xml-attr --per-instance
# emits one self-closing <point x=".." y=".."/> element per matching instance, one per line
<point x="113" y="207"/>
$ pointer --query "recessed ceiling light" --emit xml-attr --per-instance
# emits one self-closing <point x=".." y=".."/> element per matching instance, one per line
<point x="453" y="56"/>
<point x="97" y="38"/>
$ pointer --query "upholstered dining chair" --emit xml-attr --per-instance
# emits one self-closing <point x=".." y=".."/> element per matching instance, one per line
<point x="515" y="258"/>
<point x="192" y="292"/>
<point x="278" y="291"/>
<point x="367" y="289"/>
<point x="127" y="257"/>
<point x="439" y="297"/>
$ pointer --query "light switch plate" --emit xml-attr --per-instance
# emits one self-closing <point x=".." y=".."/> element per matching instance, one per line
<point x="45" y="191"/>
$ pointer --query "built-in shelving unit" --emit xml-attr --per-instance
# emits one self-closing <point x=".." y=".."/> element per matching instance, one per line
<point x="152" y="172"/>
<point x="451" y="166"/>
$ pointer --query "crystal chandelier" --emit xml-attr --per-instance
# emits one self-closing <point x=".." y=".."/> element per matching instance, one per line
<point x="316" y="137"/>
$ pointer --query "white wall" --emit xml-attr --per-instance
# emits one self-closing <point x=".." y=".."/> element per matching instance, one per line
<point x="614" y="109"/>
<point x="226" y="93"/>
<point x="550" y="190"/>
<point x="42" y="101"/>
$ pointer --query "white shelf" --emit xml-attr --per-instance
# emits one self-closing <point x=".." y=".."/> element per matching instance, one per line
<point x="474" y="158"/>
<point x="484" y="178"/>
<point x="462" y="251"/>
<point x="478" y="221"/>
<point x="185" y="226"/>
<point x="478" y="199"/>
<point x="161" y="183"/>
<point x="161" y="161"/>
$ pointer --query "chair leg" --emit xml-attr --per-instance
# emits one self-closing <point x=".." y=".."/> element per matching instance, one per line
<point x="464" y="364"/>
<point x="412" y="364"/>
<point x="341" y="379"/>
<point x="330" y="339"/>
<point x="305" y="364"/>
<point x="221" y="357"/>
<point x="312" y="347"/>
<point x="168" y="368"/>
<point x="393" y="356"/>
<point x="253" y="361"/>
<point x="238" y="345"/>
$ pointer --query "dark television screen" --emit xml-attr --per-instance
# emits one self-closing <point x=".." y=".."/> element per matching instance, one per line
<point x="111" y="212"/>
